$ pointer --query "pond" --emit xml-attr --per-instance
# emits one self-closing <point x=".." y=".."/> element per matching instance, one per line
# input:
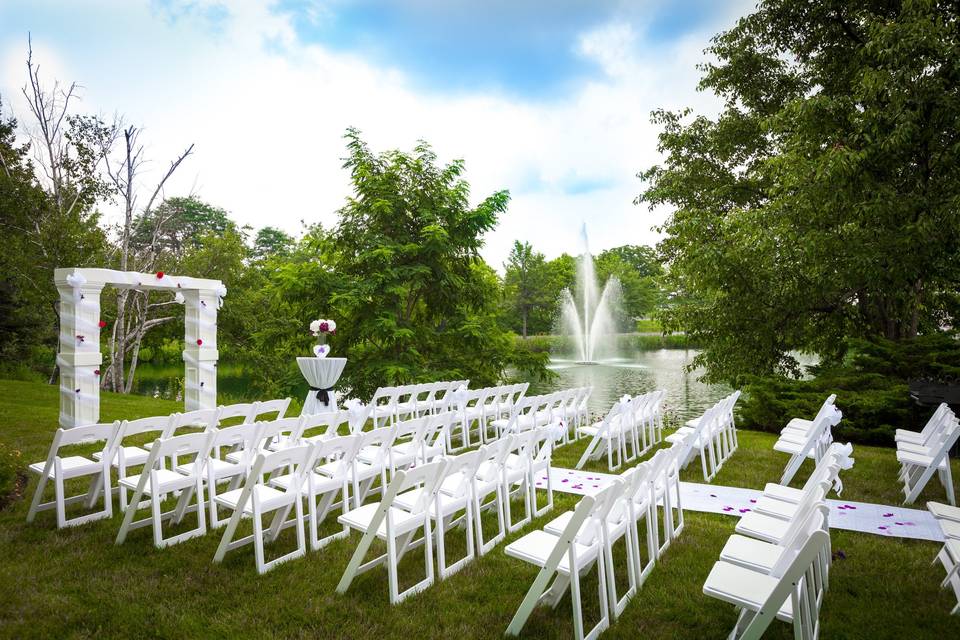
<point x="644" y="371"/>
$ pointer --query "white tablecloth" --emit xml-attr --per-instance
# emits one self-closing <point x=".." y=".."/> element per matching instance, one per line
<point x="320" y="373"/>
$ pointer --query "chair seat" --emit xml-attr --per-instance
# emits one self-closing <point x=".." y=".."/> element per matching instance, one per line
<point x="944" y="511"/>
<point x="369" y="454"/>
<point x="132" y="456"/>
<point x="757" y="525"/>
<point x="361" y="470"/>
<point x="221" y="468"/>
<point x="536" y="546"/>
<point x="950" y="528"/>
<point x="908" y="457"/>
<point x="167" y="481"/>
<point x="785" y="445"/>
<point x="750" y="553"/>
<point x="913" y="448"/>
<point x="799" y="423"/>
<point x="744" y="588"/>
<point x="360" y="519"/>
<point x="321" y="483"/>
<point x="448" y="504"/>
<point x="780" y="492"/>
<point x="269" y="498"/>
<point x="903" y="435"/>
<point x="73" y="467"/>
<point x="775" y="508"/>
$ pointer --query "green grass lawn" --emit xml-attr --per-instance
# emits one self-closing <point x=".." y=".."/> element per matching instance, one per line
<point x="77" y="583"/>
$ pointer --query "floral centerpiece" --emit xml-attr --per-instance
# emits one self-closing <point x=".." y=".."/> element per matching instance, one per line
<point x="320" y="329"/>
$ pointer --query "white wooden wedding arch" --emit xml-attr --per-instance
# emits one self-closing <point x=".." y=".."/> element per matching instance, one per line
<point x="80" y="358"/>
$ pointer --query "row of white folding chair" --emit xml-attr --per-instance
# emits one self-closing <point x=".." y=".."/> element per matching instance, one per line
<point x="531" y="412"/>
<point x="163" y="474"/>
<point x="573" y="411"/>
<point x="948" y="517"/>
<point x="919" y="461"/>
<point x="777" y="563"/>
<point x="416" y="400"/>
<point x="117" y="455"/>
<point x="788" y="584"/>
<point x="572" y="544"/>
<point x="390" y="403"/>
<point x="647" y="415"/>
<point x="631" y="423"/>
<point x="812" y="441"/>
<point x="700" y="440"/>
<point x="609" y="436"/>
<point x="477" y="408"/>
<point x="933" y="426"/>
<point x="715" y="436"/>
<point x="255" y="411"/>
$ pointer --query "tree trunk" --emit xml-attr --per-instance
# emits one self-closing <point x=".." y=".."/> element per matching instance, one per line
<point x="524" y="314"/>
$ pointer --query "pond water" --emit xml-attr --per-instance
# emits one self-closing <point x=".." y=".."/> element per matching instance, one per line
<point x="645" y="371"/>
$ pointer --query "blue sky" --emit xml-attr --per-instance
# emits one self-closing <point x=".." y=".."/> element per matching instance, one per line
<point x="548" y="99"/>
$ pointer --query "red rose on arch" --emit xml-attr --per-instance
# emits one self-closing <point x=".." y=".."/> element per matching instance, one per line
<point x="199" y="342"/>
<point x="160" y="274"/>
<point x="101" y="324"/>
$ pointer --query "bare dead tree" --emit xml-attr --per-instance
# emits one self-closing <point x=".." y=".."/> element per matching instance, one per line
<point x="134" y="308"/>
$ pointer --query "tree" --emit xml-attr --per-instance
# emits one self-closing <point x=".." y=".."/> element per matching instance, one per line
<point x="525" y="282"/>
<point x="401" y="275"/>
<point x="47" y="213"/>
<point x="270" y="242"/>
<point x="143" y="237"/>
<point x="639" y="272"/>
<point x="822" y="202"/>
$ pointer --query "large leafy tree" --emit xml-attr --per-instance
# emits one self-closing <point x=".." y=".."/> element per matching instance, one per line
<point x="401" y="275"/>
<point x="822" y="202"/>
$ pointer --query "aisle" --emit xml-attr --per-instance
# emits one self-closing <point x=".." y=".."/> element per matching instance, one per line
<point x="865" y="517"/>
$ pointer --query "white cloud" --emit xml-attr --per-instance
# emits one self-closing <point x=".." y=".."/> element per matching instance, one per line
<point x="267" y="113"/>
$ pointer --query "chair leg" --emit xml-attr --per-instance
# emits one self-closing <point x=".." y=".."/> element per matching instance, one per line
<point x="37" y="497"/>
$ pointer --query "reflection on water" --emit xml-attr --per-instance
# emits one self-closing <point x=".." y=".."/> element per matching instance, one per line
<point x="645" y="371"/>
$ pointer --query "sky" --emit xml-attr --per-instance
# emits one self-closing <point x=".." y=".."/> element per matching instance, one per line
<point x="549" y="99"/>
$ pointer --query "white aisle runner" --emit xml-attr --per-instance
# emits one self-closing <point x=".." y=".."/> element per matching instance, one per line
<point x="894" y="522"/>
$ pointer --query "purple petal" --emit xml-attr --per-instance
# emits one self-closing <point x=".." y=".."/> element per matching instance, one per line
<point x="744" y="510"/>
<point x="713" y="495"/>
<point x="753" y="502"/>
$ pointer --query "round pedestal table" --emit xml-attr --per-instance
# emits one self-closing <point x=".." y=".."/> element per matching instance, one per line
<point x="321" y="374"/>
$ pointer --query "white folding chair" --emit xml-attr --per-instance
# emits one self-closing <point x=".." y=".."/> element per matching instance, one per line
<point x="258" y="498"/>
<point x="451" y="506"/>
<point x="789" y="592"/>
<point x="240" y="441"/>
<point x="920" y="463"/>
<point x="813" y="444"/>
<point x="383" y="406"/>
<point x="606" y="437"/>
<point x="774" y="529"/>
<point x="242" y="410"/>
<point x="933" y="424"/>
<point x="487" y="483"/>
<point x="372" y="462"/>
<point x="618" y="524"/>
<point x="156" y="481"/>
<point x="127" y="456"/>
<point x="563" y="559"/>
<point x="323" y="426"/>
<point x="396" y="526"/>
<point x="263" y="408"/>
<point x="62" y="468"/>
<point x="327" y="478"/>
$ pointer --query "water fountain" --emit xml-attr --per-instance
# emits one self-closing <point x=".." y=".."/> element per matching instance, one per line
<point x="588" y="317"/>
